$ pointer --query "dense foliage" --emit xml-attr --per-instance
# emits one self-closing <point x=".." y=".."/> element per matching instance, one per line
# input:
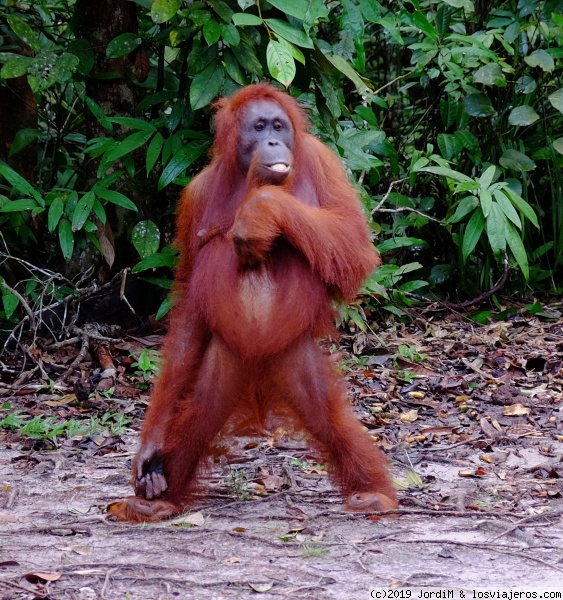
<point x="447" y="113"/>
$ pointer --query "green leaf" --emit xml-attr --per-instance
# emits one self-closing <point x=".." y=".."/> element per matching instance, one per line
<point x="280" y="62"/>
<point x="290" y="33"/>
<point x="445" y="172"/>
<point x="55" y="213"/>
<point x="517" y="248"/>
<point x="467" y="5"/>
<point x="419" y="20"/>
<point x="558" y="145"/>
<point x="164" y="308"/>
<point x="295" y="8"/>
<point x="478" y="105"/>
<point x="450" y="146"/>
<point x="496" y="227"/>
<point x="293" y="50"/>
<point x="66" y="238"/>
<point x="490" y="74"/>
<point x="18" y="205"/>
<point x="487" y="177"/>
<point x="211" y="32"/>
<point x="346" y="69"/>
<point x="162" y="259"/>
<point x="556" y="99"/>
<point x="233" y="68"/>
<point x="24" y="32"/>
<point x="130" y="143"/>
<point x="517" y="161"/>
<point x="206" y="85"/>
<point x="23" y="138"/>
<point x="472" y="233"/>
<point x="133" y="123"/>
<point x="16" y="67"/>
<point x="116" y="198"/>
<point x="19" y="183"/>
<point x="181" y="161"/>
<point x="400" y="242"/>
<point x="466" y="206"/>
<point x="523" y="115"/>
<point x="486" y="201"/>
<point x="241" y="19"/>
<point x="82" y="211"/>
<point x="123" y="44"/>
<point x="525" y="85"/>
<point x="541" y="59"/>
<point x="230" y="35"/>
<point x="507" y="207"/>
<point x="522" y="206"/>
<point x="10" y="302"/>
<point x="371" y="10"/>
<point x="164" y="10"/>
<point x="146" y="238"/>
<point x="153" y="151"/>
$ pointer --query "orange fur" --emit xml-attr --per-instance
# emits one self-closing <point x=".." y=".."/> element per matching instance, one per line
<point x="259" y="268"/>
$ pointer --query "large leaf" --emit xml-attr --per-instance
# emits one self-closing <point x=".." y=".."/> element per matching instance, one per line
<point x="66" y="238"/>
<point x="55" y="213"/>
<point x="450" y="145"/>
<point x="472" y="233"/>
<point x="130" y="143"/>
<point x="19" y="183"/>
<point x="123" y="44"/>
<point x="23" y="138"/>
<point x="164" y="10"/>
<point x="496" y="229"/>
<point x="82" y="211"/>
<point x="556" y="99"/>
<point x="517" y="248"/>
<point x="523" y="115"/>
<point x="18" y="205"/>
<point x="162" y="259"/>
<point x="490" y="74"/>
<point x="246" y="19"/>
<point x="541" y="59"/>
<point x="478" y="105"/>
<point x="507" y="207"/>
<point x="445" y="172"/>
<point x="181" y="161"/>
<point x="517" y="161"/>
<point x="280" y="62"/>
<point x="522" y="206"/>
<point x="153" y="151"/>
<point x="24" y="32"/>
<point x="206" y="85"/>
<point x="146" y="238"/>
<point x="290" y="33"/>
<point x="116" y="198"/>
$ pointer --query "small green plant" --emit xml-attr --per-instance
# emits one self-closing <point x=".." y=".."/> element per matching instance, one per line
<point x="237" y="481"/>
<point x="410" y="353"/>
<point x="148" y="364"/>
<point x="310" y="550"/>
<point x="47" y="427"/>
<point x="114" y="423"/>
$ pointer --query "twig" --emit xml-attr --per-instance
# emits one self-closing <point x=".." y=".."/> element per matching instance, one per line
<point x="485" y="295"/>
<point x="387" y="194"/>
<point x="79" y="358"/>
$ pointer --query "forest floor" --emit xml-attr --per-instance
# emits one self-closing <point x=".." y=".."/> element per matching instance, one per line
<point x="470" y="415"/>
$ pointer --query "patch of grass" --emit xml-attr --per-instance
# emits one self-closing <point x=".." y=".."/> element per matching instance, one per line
<point x="42" y="427"/>
<point x="310" y="550"/>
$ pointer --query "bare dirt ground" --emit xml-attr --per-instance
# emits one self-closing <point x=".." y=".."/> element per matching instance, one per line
<point x="470" y="415"/>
